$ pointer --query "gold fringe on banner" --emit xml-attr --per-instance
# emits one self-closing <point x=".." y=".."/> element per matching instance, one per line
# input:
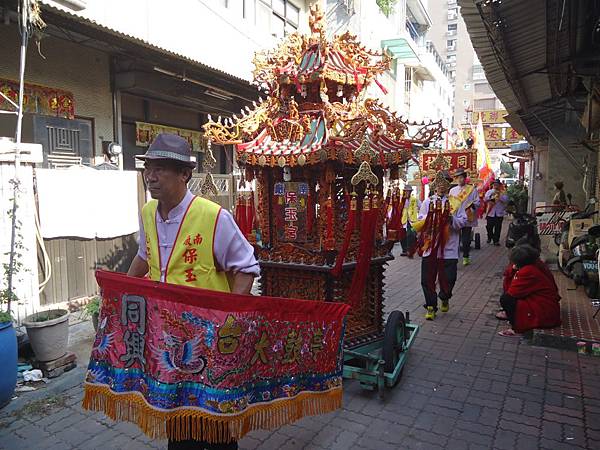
<point x="189" y="423"/>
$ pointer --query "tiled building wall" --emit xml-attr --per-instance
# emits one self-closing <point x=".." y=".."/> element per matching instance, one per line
<point x="64" y="65"/>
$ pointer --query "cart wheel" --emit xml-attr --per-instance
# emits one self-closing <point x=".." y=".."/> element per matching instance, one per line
<point x="477" y="241"/>
<point x="394" y="340"/>
<point x="591" y="290"/>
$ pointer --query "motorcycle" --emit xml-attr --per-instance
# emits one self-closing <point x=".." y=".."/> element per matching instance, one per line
<point x="577" y="259"/>
<point x="523" y="228"/>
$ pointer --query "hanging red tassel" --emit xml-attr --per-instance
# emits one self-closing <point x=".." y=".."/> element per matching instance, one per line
<point x="444" y="234"/>
<point x="241" y="217"/>
<point x="329" y="236"/>
<point x="363" y="261"/>
<point x="426" y="232"/>
<point x="382" y="218"/>
<point x="250" y="219"/>
<point x="398" y="232"/>
<point x="337" y="269"/>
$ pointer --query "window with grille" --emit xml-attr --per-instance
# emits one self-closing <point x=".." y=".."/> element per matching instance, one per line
<point x="280" y="17"/>
<point x="485" y="104"/>
<point x="407" y="85"/>
<point x="483" y="88"/>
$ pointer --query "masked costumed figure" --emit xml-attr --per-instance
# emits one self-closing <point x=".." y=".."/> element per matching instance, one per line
<point x="496" y="202"/>
<point x="440" y="220"/>
<point x="468" y="196"/>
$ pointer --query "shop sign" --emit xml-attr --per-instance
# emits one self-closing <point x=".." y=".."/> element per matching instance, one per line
<point x="38" y="99"/>
<point x="454" y="159"/>
<point x="489" y="117"/>
<point x="145" y="133"/>
<point x="551" y="222"/>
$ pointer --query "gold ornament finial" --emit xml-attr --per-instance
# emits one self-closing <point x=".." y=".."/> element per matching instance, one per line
<point x="364" y="174"/>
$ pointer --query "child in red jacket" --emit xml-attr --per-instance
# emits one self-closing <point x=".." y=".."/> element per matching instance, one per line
<point x="530" y="298"/>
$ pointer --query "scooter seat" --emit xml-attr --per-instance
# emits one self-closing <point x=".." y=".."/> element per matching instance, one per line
<point x="594" y="231"/>
<point x="579" y="240"/>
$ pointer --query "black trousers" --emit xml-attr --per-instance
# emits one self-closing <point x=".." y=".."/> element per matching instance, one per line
<point x="408" y="240"/>
<point x="494" y="227"/>
<point x="509" y="305"/>
<point x="191" y="444"/>
<point x="436" y="271"/>
<point x="465" y="240"/>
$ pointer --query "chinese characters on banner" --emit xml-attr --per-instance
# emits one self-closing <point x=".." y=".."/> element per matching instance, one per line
<point x="455" y="158"/>
<point x="496" y="137"/>
<point x="38" y="99"/>
<point x="133" y="321"/>
<point x="214" y="360"/>
<point x="292" y="198"/>
<point x="146" y="132"/>
<point x="489" y="117"/>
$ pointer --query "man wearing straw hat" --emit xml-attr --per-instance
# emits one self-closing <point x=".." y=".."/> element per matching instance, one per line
<point x="496" y="202"/>
<point x="468" y="197"/>
<point x="188" y="240"/>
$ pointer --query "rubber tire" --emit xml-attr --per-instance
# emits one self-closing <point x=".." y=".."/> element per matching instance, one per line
<point x="391" y="346"/>
<point x="477" y="241"/>
<point x="591" y="290"/>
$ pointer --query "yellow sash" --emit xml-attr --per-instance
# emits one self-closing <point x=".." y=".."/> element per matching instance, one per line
<point x="411" y="213"/>
<point x="457" y="200"/>
<point x="191" y="262"/>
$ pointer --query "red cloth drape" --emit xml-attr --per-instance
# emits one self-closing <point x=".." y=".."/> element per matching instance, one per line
<point x="369" y="221"/>
<point x="351" y="202"/>
<point x="241" y="214"/>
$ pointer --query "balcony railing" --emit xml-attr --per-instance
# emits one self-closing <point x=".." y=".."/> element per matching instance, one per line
<point x="414" y="33"/>
<point x="439" y="61"/>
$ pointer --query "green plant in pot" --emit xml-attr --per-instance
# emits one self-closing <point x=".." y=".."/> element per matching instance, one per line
<point x="518" y="196"/>
<point x="93" y="309"/>
<point x="8" y="298"/>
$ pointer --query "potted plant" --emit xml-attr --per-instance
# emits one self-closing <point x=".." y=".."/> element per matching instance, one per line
<point x="93" y="309"/>
<point x="8" y="352"/>
<point x="48" y="333"/>
<point x="8" y="336"/>
<point x="518" y="196"/>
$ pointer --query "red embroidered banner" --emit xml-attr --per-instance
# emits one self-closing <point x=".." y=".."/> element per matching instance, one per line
<point x="454" y="158"/>
<point x="38" y="99"/>
<point x="186" y="363"/>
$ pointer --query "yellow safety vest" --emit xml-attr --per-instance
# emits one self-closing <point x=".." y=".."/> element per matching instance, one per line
<point x="412" y="212"/>
<point x="191" y="262"/>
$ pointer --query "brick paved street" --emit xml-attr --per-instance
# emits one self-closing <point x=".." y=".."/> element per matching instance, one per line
<point x="464" y="387"/>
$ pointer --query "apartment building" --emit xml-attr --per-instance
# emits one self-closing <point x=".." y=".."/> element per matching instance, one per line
<point x="417" y="84"/>
<point x="472" y="92"/>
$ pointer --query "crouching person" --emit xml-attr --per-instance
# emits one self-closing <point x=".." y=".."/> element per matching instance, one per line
<point x="530" y="298"/>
